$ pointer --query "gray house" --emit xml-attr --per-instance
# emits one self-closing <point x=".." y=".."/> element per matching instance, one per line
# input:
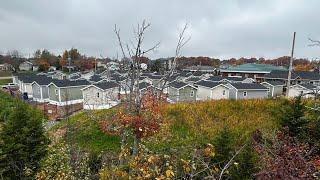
<point x="103" y="95"/>
<point x="40" y="89"/>
<point x="180" y="91"/>
<point x="247" y="91"/>
<point x="66" y="92"/>
<point x="275" y="88"/>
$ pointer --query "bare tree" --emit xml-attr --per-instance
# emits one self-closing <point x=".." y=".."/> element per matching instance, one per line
<point x="132" y="52"/>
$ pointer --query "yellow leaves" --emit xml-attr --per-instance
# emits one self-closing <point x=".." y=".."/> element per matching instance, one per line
<point x="169" y="173"/>
<point x="186" y="165"/>
<point x="209" y="151"/>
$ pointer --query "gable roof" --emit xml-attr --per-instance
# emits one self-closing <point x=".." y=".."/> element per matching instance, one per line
<point x="68" y="83"/>
<point x="248" y="86"/>
<point x="42" y="80"/>
<point x="209" y="84"/>
<point x="178" y="84"/>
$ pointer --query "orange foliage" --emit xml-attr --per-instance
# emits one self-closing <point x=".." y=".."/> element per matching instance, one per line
<point x="144" y="124"/>
<point x="303" y="67"/>
<point x="63" y="62"/>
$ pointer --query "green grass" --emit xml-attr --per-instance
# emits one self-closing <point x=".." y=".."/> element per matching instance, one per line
<point x="86" y="133"/>
<point x="5" y="81"/>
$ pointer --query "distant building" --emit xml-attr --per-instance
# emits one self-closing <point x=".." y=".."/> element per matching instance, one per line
<point x="25" y="66"/>
<point x="275" y="88"/>
<point x="306" y="90"/>
<point x="103" y="95"/>
<point x="6" y="67"/>
<point x="247" y="91"/>
<point x="180" y="91"/>
<point x="208" y="90"/>
<point x="250" y="70"/>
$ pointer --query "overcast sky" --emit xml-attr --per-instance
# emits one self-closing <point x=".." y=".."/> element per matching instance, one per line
<point x="223" y="29"/>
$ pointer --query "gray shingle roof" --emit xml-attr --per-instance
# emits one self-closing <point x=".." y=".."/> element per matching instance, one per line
<point x="95" y="78"/>
<point x="209" y="84"/>
<point x="107" y="85"/>
<point x="177" y="84"/>
<point x="43" y="80"/>
<point x="67" y="83"/>
<point x="193" y="79"/>
<point x="144" y="85"/>
<point x="215" y="78"/>
<point x="248" y="86"/>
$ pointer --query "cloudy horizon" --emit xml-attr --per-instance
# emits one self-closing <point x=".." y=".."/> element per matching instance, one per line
<point x="220" y="29"/>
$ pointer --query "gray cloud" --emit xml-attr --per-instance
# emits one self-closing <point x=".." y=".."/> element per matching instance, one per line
<point x="232" y="28"/>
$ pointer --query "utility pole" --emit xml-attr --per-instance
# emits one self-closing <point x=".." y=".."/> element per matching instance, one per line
<point x="291" y="62"/>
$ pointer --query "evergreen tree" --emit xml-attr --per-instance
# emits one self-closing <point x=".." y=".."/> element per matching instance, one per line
<point x="23" y="143"/>
<point x="293" y="117"/>
<point x="245" y="164"/>
<point x="223" y="145"/>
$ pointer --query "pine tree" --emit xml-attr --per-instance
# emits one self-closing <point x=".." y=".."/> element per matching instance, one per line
<point x="23" y="143"/>
<point x="294" y="117"/>
<point x="223" y="145"/>
<point x="245" y="164"/>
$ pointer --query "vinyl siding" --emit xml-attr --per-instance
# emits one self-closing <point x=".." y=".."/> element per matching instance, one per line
<point x="90" y="96"/>
<point x="203" y="93"/>
<point x="52" y="93"/>
<point x="36" y="91"/>
<point x="253" y="94"/>
<point x="71" y="93"/>
<point x="217" y="93"/>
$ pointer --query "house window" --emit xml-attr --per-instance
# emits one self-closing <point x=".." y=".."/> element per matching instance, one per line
<point x="57" y="92"/>
<point x="192" y="94"/>
<point x="268" y="89"/>
<point x="224" y="92"/>
<point x="98" y="94"/>
<point x="245" y="94"/>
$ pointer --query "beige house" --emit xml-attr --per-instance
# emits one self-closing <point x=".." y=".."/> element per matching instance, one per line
<point x="102" y="95"/>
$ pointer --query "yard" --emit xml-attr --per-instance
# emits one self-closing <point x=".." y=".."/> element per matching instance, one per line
<point x="5" y="81"/>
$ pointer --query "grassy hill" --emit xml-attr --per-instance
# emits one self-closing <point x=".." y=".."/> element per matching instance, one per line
<point x="184" y="125"/>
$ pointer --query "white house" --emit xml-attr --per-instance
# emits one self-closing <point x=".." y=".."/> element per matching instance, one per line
<point x="26" y="66"/>
<point x="102" y="95"/>
<point x="247" y="91"/>
<point x="211" y="90"/>
<point x="302" y="89"/>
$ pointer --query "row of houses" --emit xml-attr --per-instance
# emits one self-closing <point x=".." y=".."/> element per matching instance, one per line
<point x="104" y="89"/>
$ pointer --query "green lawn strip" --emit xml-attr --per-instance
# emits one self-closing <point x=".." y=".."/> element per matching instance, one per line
<point x="5" y="81"/>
